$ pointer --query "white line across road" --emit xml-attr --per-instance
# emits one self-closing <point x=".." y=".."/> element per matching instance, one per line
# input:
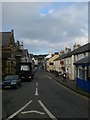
<point x="17" y="112"/>
<point x="47" y="111"/>
<point x="33" y="111"/>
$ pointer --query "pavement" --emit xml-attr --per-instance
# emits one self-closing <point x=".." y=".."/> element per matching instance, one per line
<point x="69" y="84"/>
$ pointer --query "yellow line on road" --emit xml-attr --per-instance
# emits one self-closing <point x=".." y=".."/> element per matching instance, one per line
<point x="73" y="92"/>
<point x="49" y="77"/>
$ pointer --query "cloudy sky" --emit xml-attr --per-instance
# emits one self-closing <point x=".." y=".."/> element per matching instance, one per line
<point x="46" y="26"/>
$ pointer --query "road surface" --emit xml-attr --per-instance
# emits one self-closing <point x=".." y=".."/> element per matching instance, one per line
<point x="41" y="98"/>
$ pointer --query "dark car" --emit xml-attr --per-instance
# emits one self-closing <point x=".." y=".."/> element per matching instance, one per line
<point x="11" y="81"/>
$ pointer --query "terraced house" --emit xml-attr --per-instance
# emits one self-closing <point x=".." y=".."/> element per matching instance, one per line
<point x="50" y="62"/>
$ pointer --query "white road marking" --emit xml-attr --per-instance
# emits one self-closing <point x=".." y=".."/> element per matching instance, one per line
<point x="36" y="92"/>
<point x="37" y="84"/>
<point x="49" y="77"/>
<point x="14" y="114"/>
<point x="47" y="111"/>
<point x="33" y="111"/>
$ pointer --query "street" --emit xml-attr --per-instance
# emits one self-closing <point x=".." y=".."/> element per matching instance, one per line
<point x="43" y="97"/>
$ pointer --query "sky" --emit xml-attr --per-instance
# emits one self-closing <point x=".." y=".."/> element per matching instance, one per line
<point x="46" y="26"/>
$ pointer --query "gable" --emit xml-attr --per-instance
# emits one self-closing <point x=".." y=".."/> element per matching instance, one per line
<point x="7" y="39"/>
<point x="53" y="58"/>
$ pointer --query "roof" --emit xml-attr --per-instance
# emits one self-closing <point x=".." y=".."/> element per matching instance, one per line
<point x="60" y="57"/>
<point x="83" y="61"/>
<point x="82" y="49"/>
<point x="5" y="38"/>
<point x="53" y="58"/>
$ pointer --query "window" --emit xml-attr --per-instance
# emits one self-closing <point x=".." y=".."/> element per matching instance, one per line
<point x="50" y="63"/>
<point x="80" y="73"/>
<point x="25" y="67"/>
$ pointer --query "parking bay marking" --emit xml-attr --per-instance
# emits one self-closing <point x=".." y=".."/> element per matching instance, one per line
<point x="14" y="114"/>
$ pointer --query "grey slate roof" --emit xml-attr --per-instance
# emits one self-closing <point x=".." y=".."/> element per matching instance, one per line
<point x="5" y="38"/>
<point x="83" y="61"/>
<point x="82" y="49"/>
<point x="60" y="57"/>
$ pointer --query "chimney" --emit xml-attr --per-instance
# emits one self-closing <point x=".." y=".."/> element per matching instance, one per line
<point x="12" y="31"/>
<point x="61" y="52"/>
<point x="67" y="50"/>
<point x="75" y="46"/>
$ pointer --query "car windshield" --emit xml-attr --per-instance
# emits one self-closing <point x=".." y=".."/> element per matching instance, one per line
<point x="25" y="67"/>
<point x="11" y="77"/>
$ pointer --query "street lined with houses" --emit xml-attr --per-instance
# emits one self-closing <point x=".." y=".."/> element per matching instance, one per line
<point x="44" y="60"/>
<point x="52" y="100"/>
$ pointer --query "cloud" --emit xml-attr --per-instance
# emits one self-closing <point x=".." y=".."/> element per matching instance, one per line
<point x="50" y="11"/>
<point x="65" y="33"/>
<point x="45" y="27"/>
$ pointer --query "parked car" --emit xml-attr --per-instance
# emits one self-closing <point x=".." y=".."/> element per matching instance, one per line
<point x="11" y="81"/>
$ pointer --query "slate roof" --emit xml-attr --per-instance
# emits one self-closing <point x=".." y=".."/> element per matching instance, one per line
<point x="60" y="57"/>
<point x="82" y="49"/>
<point x="83" y="61"/>
<point x="5" y="38"/>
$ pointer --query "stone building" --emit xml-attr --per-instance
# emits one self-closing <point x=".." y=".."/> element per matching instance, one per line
<point x="8" y="53"/>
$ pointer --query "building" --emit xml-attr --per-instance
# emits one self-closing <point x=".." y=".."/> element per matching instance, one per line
<point x="8" y="53"/>
<point x="50" y="62"/>
<point x="25" y="56"/>
<point x="59" y="63"/>
<point x="18" y="54"/>
<point x="83" y="73"/>
<point x="77" y="54"/>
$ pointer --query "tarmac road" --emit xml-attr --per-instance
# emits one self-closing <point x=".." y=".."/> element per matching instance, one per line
<point x="41" y="98"/>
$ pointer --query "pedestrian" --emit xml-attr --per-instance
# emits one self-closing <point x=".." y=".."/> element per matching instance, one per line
<point x="64" y="77"/>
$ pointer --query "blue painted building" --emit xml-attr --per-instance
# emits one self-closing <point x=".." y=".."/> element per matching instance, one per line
<point x="83" y="74"/>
